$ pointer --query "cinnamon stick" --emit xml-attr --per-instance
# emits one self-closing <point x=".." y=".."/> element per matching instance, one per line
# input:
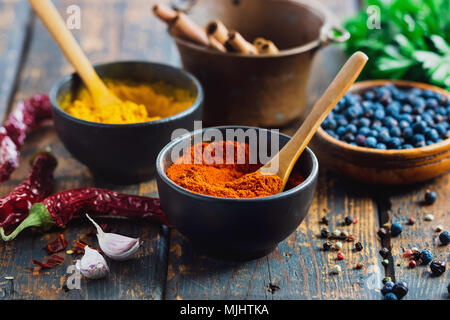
<point x="164" y="13"/>
<point x="218" y="30"/>
<point x="237" y="41"/>
<point x="189" y="30"/>
<point x="216" y="45"/>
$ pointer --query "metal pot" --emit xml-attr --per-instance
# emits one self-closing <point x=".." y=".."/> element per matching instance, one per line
<point x="263" y="90"/>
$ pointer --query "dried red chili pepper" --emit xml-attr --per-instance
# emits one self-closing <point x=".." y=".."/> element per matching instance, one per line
<point x="29" y="114"/>
<point x="15" y="206"/>
<point x="60" y="208"/>
<point x="57" y="245"/>
<point x="53" y="261"/>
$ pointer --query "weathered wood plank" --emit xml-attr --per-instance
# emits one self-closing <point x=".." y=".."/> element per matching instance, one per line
<point x="14" y="29"/>
<point x="301" y="269"/>
<point x="143" y="278"/>
<point x="406" y="203"/>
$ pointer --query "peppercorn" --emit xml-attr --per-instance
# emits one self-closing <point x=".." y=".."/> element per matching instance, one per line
<point x="426" y="256"/>
<point x="430" y="197"/>
<point x="411" y="221"/>
<point x="324" y="233"/>
<point x="336" y="269"/>
<point x="396" y="229"/>
<point x="327" y="246"/>
<point x="400" y="289"/>
<point x="384" y="252"/>
<point x="439" y="228"/>
<point x="340" y="256"/>
<point x="359" y="266"/>
<point x="444" y="237"/>
<point x="387" y="287"/>
<point x="437" y="267"/>
<point x="336" y="233"/>
<point x="390" y="296"/>
<point x="325" y="221"/>
<point x="386" y="279"/>
<point x="349" y="220"/>
<point x="429" y="217"/>
<point x="344" y="234"/>
<point x="382" y="232"/>
<point x="350" y="238"/>
<point x="338" y="245"/>
<point x="358" y="246"/>
<point x="407" y="253"/>
<point x="385" y="262"/>
<point x="412" y="264"/>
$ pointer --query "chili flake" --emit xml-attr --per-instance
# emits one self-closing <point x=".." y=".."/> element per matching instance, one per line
<point x="56" y="245"/>
<point x="53" y="261"/>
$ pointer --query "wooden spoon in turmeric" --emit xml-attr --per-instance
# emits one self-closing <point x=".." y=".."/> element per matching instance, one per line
<point x="69" y="46"/>
<point x="283" y="162"/>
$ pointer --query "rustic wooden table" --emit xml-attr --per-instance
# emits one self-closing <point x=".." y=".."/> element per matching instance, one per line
<point x="167" y="266"/>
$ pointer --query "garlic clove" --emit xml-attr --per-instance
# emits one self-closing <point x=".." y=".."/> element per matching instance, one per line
<point x="116" y="246"/>
<point x="92" y="265"/>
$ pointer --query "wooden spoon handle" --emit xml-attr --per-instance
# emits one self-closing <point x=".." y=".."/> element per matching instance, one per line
<point x="57" y="28"/>
<point x="288" y="156"/>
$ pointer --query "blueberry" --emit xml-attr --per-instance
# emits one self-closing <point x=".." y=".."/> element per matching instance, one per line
<point x="360" y="139"/>
<point x="406" y="108"/>
<point x="444" y="237"/>
<point x="408" y="146"/>
<point x="353" y="112"/>
<point x="387" y="287"/>
<point x="396" y="229"/>
<point x="395" y="132"/>
<point x="379" y="114"/>
<point x="440" y="128"/>
<point x="371" y="142"/>
<point x="394" y="143"/>
<point x="374" y="133"/>
<point x="417" y="138"/>
<point x="381" y="146"/>
<point x="364" y="122"/>
<point x="384" y="137"/>
<point x="351" y="128"/>
<point x="430" y="197"/>
<point x="442" y="111"/>
<point x="341" y="121"/>
<point x="400" y="289"/>
<point x="341" y="130"/>
<point x="329" y="124"/>
<point x="390" y="296"/>
<point x="428" y="119"/>
<point x="403" y="124"/>
<point x="369" y="95"/>
<point x="390" y="122"/>
<point x="431" y="103"/>
<point x="426" y="256"/>
<point x="349" y="137"/>
<point x="408" y="133"/>
<point x="332" y="133"/>
<point x="393" y="109"/>
<point x="431" y="134"/>
<point x="365" y="131"/>
<point x="419" y="127"/>
<point x="418" y="103"/>
<point x="420" y="144"/>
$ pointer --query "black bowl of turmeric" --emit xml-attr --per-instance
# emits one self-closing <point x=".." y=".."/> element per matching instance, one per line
<point x="211" y="194"/>
<point x="121" y="142"/>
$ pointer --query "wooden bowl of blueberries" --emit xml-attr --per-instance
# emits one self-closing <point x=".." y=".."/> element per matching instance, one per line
<point x="387" y="132"/>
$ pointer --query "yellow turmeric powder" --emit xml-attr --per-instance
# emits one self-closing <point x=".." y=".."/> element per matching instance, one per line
<point x="141" y="103"/>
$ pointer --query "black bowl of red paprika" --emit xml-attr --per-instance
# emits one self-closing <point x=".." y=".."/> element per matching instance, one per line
<point x="236" y="228"/>
<point x="123" y="153"/>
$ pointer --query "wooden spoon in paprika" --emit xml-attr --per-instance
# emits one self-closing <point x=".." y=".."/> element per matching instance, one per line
<point x="283" y="162"/>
